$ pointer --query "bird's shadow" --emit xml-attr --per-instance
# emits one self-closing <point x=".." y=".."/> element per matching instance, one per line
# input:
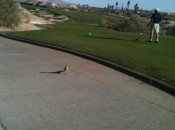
<point x="57" y="72"/>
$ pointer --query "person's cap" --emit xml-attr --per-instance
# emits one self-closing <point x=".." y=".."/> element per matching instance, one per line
<point x="157" y="9"/>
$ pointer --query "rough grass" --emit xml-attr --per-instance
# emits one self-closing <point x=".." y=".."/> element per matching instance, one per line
<point x="156" y="60"/>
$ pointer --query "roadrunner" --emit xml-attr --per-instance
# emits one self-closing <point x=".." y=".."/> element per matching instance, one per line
<point x="66" y="68"/>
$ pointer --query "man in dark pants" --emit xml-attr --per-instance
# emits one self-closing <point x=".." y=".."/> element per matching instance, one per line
<point x="154" y="25"/>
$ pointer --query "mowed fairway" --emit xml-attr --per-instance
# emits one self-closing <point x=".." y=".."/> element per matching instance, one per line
<point x="156" y="60"/>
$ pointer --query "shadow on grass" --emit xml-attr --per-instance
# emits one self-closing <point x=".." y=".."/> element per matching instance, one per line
<point x="119" y="39"/>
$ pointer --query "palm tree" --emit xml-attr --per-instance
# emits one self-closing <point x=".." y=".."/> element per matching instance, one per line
<point x="128" y="5"/>
<point x="112" y="7"/>
<point x="108" y="7"/>
<point x="122" y="6"/>
<point x="136" y="8"/>
<point x="116" y="5"/>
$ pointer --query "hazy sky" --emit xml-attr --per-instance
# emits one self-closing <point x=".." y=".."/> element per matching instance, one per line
<point x="163" y="5"/>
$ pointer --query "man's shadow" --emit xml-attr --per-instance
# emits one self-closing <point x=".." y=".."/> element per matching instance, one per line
<point x="111" y="38"/>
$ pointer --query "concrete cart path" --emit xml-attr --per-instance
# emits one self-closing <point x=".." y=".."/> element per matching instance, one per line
<point x="89" y="97"/>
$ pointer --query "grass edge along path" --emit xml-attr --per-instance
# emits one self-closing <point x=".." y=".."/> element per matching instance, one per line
<point x="147" y="79"/>
<point x="124" y="63"/>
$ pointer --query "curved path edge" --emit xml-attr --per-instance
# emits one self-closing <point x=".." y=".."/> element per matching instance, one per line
<point x="164" y="86"/>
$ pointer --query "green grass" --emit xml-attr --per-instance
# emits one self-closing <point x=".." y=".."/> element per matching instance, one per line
<point x="156" y="60"/>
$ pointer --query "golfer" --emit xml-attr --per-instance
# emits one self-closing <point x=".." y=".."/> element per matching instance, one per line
<point x="154" y="25"/>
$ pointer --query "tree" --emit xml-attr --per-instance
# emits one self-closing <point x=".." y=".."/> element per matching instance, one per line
<point x="9" y="13"/>
<point x="108" y="7"/>
<point x="116" y="5"/>
<point x="78" y="5"/>
<point x="112" y="7"/>
<point x="136" y="8"/>
<point x="128" y="3"/>
<point x="122" y="6"/>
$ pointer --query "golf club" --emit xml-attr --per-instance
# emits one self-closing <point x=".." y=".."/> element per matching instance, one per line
<point x="142" y="33"/>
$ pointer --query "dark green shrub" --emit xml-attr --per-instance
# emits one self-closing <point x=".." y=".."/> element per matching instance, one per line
<point x="132" y="24"/>
<point x="9" y="13"/>
<point x="145" y="15"/>
<point x="171" y="31"/>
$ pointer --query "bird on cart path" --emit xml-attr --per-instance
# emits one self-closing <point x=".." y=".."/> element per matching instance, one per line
<point x="66" y="68"/>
